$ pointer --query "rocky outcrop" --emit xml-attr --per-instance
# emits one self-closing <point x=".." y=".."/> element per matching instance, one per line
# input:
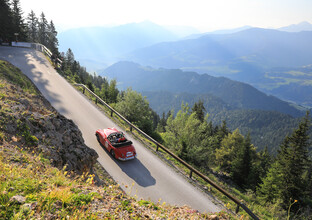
<point x="33" y="123"/>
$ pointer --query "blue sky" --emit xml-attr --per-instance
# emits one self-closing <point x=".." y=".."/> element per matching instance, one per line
<point x="205" y="15"/>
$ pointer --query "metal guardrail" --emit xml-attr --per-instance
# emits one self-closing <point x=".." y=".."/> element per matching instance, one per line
<point x="39" y="47"/>
<point x="46" y="51"/>
<point x="158" y="145"/>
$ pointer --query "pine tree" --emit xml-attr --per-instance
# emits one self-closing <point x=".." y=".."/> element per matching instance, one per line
<point x="200" y="110"/>
<point x="112" y="91"/>
<point x="226" y="154"/>
<point x="43" y="30"/>
<point x="52" y="43"/>
<point x="287" y="173"/>
<point x="162" y="123"/>
<point x="32" y="27"/>
<point x="19" y="26"/>
<point x="6" y="24"/>
<point x="69" y="59"/>
<point x="269" y="189"/>
<point x="241" y="164"/>
<point x="293" y="158"/>
<point x="261" y="163"/>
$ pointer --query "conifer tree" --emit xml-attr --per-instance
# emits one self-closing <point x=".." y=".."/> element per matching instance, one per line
<point x="32" y="27"/>
<point x="261" y="162"/>
<point x="294" y="159"/>
<point x="19" y="26"/>
<point x="162" y="123"/>
<point x="52" y="43"/>
<point x="43" y="30"/>
<point x="226" y="154"/>
<point x="200" y="110"/>
<point x="269" y="190"/>
<point x="112" y="91"/>
<point x="6" y="24"/>
<point x="286" y="175"/>
<point x="241" y="164"/>
<point x="69" y="58"/>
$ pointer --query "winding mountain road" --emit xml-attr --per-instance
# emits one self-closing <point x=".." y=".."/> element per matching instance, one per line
<point x="146" y="176"/>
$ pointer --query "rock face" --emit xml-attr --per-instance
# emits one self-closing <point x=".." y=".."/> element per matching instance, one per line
<point x="33" y="123"/>
<point x="66" y="145"/>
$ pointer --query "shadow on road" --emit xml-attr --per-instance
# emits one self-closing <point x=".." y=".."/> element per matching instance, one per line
<point x="21" y="58"/>
<point x="138" y="172"/>
<point x="135" y="170"/>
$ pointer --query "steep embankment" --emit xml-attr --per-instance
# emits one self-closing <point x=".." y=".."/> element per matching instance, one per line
<point x="33" y="123"/>
<point x="34" y="139"/>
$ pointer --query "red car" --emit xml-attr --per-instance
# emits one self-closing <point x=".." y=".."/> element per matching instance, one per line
<point x="116" y="143"/>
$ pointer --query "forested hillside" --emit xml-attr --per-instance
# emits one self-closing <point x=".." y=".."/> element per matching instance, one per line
<point x="266" y="128"/>
<point x="236" y="94"/>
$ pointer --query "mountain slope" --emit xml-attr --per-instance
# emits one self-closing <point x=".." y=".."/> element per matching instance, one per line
<point x="266" y="128"/>
<point x="236" y="94"/>
<point x="104" y="44"/>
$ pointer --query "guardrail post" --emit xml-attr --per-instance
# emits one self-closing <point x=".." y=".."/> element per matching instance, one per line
<point x="157" y="146"/>
<point x="237" y="209"/>
<point x="112" y="113"/>
<point x="96" y="101"/>
<point x="84" y="89"/>
<point x="130" y="128"/>
<point x="191" y="172"/>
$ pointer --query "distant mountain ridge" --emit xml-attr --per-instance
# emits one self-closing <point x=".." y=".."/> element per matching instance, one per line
<point x="225" y="31"/>
<point x="236" y="94"/>
<point x="103" y="45"/>
<point x="269" y="48"/>
<point x="302" y="26"/>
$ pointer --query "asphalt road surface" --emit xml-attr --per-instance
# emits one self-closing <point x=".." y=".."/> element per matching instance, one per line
<point x="145" y="177"/>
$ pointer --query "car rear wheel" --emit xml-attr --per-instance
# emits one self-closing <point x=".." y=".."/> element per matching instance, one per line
<point x="113" y="153"/>
<point x="97" y="137"/>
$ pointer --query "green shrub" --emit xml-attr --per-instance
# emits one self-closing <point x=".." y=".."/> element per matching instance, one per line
<point x="81" y="199"/>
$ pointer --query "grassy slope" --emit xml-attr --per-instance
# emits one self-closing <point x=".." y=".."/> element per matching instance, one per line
<point x="48" y="193"/>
